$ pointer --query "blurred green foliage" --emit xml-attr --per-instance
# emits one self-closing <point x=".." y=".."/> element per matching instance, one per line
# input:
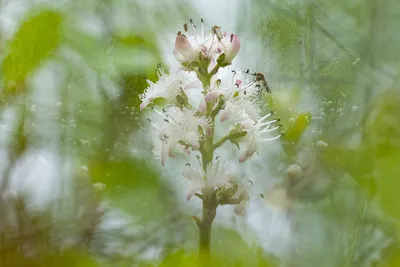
<point x="335" y="64"/>
<point x="36" y="40"/>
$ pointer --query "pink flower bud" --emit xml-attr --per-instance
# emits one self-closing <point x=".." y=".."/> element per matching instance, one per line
<point x="203" y="106"/>
<point x="230" y="46"/>
<point x="224" y="116"/>
<point x="144" y="104"/>
<point x="247" y="154"/>
<point x="243" y="158"/>
<point x="211" y="96"/>
<point x="186" y="150"/>
<point x="184" y="51"/>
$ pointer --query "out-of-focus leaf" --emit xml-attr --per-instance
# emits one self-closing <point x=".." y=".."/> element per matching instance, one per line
<point x="383" y="125"/>
<point x="388" y="177"/>
<point x="383" y="134"/>
<point x="127" y="173"/>
<point x="134" y="186"/>
<point x="70" y="258"/>
<point x="119" y="57"/>
<point x="135" y="82"/>
<point x="36" y="40"/>
<point x="231" y="250"/>
<point x="284" y="103"/>
<point x="227" y="249"/>
<point x="358" y="163"/>
<point x="180" y="259"/>
<point x="295" y="128"/>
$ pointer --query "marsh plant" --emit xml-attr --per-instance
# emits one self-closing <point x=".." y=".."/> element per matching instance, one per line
<point x="229" y="99"/>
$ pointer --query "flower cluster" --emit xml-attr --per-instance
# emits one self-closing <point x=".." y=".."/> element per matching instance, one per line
<point x="229" y="99"/>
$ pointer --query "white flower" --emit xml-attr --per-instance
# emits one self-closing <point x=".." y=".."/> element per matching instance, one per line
<point x="230" y="46"/>
<point x="215" y="176"/>
<point x="231" y="84"/>
<point x="179" y="126"/>
<point x="193" y="47"/>
<point x="240" y="109"/>
<point x="169" y="87"/>
<point x="255" y="138"/>
<point x="208" y="45"/>
<point x="239" y="92"/>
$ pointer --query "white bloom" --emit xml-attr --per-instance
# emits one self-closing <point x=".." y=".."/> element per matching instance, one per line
<point x="169" y="86"/>
<point x="179" y="126"/>
<point x="229" y="45"/>
<point x="192" y="46"/>
<point x="239" y="93"/>
<point x="231" y="84"/>
<point x="241" y="109"/>
<point x="215" y="176"/>
<point x="255" y="138"/>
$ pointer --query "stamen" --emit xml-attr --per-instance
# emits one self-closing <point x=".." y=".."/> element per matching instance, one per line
<point x="199" y="160"/>
<point x="247" y="180"/>
<point x="185" y="27"/>
<point x="159" y="113"/>
<point x="266" y="116"/>
<point x="273" y="138"/>
<point x="193" y="26"/>
<point x="217" y="164"/>
<point x="202" y="28"/>
<point x="266" y="130"/>
<point x="246" y="87"/>
<point x="267" y="123"/>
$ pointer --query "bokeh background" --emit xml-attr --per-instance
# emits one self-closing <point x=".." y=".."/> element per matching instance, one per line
<point x="79" y="186"/>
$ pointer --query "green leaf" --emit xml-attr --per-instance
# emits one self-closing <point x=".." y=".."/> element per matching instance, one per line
<point x="295" y="129"/>
<point x="37" y="38"/>
<point x="383" y="125"/>
<point x="124" y="172"/>
<point x="388" y="177"/>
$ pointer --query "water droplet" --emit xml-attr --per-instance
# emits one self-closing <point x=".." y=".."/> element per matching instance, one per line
<point x="321" y="143"/>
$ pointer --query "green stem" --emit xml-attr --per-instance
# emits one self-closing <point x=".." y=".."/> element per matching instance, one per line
<point x="232" y="135"/>
<point x="214" y="70"/>
<point x="221" y="141"/>
<point x="208" y="195"/>
<point x="209" y="212"/>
